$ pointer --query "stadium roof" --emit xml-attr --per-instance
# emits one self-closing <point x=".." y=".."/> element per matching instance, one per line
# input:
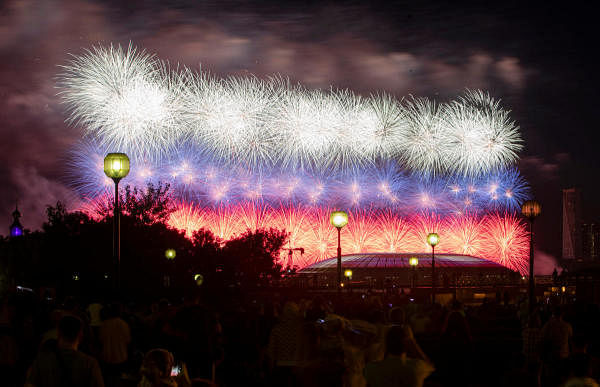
<point x="400" y="261"/>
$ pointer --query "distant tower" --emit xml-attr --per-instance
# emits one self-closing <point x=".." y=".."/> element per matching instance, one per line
<point x="571" y="229"/>
<point x="16" y="228"/>
<point x="590" y="241"/>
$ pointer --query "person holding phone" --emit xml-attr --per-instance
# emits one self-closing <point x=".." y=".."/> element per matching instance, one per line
<point x="159" y="369"/>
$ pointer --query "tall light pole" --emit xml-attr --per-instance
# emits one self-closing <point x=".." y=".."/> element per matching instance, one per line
<point x="348" y="274"/>
<point x="170" y="254"/>
<point x="413" y="262"/>
<point x="531" y="209"/>
<point x="116" y="166"/>
<point x="433" y="239"/>
<point x="339" y="219"/>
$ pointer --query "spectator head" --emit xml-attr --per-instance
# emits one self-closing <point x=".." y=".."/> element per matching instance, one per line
<point x="377" y="316"/>
<point x="70" y="303"/>
<point x="397" y="316"/>
<point x="457" y="305"/>
<point x="396" y="341"/>
<point x="157" y="365"/>
<point x="70" y="329"/>
<point x="557" y="311"/>
<point x="163" y="304"/>
<point x="456" y="326"/>
<point x="113" y="310"/>
<point x="579" y="343"/>
<point x="581" y="365"/>
<point x="290" y="310"/>
<point x="534" y="320"/>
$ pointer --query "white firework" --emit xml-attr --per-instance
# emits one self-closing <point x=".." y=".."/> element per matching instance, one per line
<point x="424" y="143"/>
<point x="123" y="97"/>
<point x="309" y="124"/>
<point x="391" y="125"/>
<point x="132" y="102"/>
<point x="483" y="137"/>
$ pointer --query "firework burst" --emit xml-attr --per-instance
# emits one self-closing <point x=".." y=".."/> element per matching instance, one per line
<point x="134" y="102"/>
<point x="241" y="153"/>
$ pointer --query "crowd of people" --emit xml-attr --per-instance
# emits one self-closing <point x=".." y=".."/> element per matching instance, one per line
<point x="286" y="339"/>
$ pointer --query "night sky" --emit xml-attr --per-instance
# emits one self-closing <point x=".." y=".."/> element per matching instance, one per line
<point x="538" y="60"/>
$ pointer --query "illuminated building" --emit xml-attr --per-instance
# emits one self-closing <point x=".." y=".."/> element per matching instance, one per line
<point x="571" y="237"/>
<point x="16" y="228"/>
<point x="590" y="241"/>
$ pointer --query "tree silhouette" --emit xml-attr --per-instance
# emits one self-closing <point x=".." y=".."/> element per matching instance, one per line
<point x="73" y="251"/>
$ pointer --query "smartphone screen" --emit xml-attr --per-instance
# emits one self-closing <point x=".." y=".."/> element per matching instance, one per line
<point x="175" y="370"/>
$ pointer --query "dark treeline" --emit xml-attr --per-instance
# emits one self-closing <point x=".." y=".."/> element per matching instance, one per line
<point x="72" y="253"/>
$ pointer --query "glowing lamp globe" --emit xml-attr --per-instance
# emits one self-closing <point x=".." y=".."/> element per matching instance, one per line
<point x="433" y="239"/>
<point x="199" y="278"/>
<point x="531" y="209"/>
<point x="338" y="219"/>
<point x="116" y="165"/>
<point x="170" y="254"/>
<point x="348" y="273"/>
<point x="414" y="261"/>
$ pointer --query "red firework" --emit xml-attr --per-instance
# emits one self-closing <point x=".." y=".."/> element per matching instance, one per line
<point x="500" y="238"/>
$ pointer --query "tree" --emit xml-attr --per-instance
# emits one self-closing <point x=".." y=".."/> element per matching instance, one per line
<point x="252" y="257"/>
<point x="73" y="252"/>
<point x="142" y="206"/>
<point x="75" y="248"/>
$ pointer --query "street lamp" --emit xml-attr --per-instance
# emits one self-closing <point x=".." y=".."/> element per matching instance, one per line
<point x="170" y="254"/>
<point x="531" y="209"/>
<point x="348" y="274"/>
<point x="433" y="239"/>
<point x="339" y="219"/>
<point x="414" y="262"/>
<point x="116" y="166"/>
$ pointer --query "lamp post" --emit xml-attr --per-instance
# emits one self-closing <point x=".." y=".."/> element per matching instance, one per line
<point x="348" y="274"/>
<point x="116" y="166"/>
<point x="339" y="219"/>
<point x="433" y="239"/>
<point x="413" y="262"/>
<point x="170" y="254"/>
<point x="531" y="209"/>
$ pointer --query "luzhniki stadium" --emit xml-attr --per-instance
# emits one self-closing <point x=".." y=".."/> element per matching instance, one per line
<point x="412" y="273"/>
